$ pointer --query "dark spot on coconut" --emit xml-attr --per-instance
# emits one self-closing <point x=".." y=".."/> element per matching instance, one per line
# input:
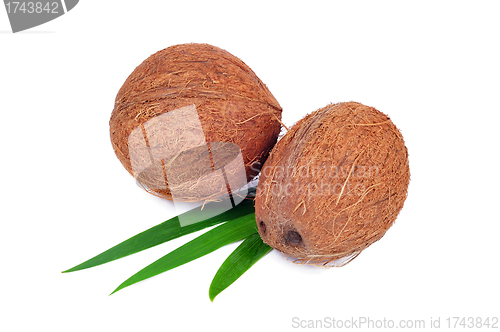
<point x="262" y="227"/>
<point x="293" y="238"/>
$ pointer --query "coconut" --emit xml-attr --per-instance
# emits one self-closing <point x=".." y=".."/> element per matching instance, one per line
<point x="333" y="184"/>
<point x="193" y="122"/>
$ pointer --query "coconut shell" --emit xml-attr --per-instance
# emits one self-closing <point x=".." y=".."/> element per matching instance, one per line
<point x="333" y="185"/>
<point x="193" y="122"/>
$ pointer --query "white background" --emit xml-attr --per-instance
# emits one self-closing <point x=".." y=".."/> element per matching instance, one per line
<point x="432" y="66"/>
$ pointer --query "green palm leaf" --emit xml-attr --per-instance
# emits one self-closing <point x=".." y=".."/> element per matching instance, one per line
<point x="169" y="230"/>
<point x="206" y="243"/>
<point x="240" y="260"/>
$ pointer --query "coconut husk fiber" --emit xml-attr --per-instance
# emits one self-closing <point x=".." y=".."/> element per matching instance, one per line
<point x="333" y="184"/>
<point x="193" y="122"/>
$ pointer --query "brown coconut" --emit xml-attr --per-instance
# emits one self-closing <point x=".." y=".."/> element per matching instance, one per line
<point x="333" y="185"/>
<point x="193" y="122"/>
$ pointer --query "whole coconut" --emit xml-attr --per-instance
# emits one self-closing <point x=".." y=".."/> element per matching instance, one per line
<point x="333" y="185"/>
<point x="193" y="122"/>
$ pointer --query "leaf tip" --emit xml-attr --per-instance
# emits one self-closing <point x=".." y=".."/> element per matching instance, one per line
<point x="69" y="270"/>
<point x="123" y="285"/>
<point x="212" y="293"/>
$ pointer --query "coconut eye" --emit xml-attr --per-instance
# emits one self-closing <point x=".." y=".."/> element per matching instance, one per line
<point x="293" y="238"/>
<point x="262" y="226"/>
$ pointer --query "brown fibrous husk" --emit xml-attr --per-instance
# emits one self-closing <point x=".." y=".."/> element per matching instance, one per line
<point x="333" y="184"/>
<point x="186" y="116"/>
